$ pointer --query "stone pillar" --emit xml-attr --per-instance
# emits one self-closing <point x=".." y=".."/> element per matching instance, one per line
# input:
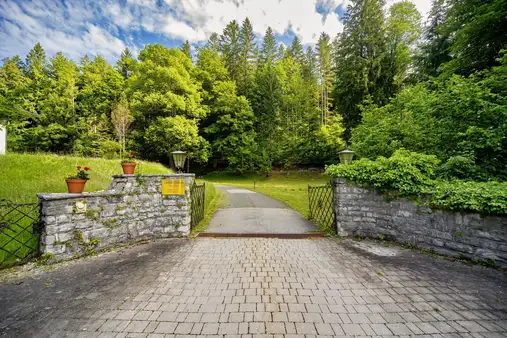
<point x="134" y="207"/>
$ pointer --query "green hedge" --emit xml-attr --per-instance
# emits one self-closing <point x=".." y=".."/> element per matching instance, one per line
<point x="414" y="175"/>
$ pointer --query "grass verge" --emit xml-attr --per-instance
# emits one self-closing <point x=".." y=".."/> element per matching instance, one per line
<point x="212" y="197"/>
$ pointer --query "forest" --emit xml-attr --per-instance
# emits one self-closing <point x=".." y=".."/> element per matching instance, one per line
<point x="389" y="81"/>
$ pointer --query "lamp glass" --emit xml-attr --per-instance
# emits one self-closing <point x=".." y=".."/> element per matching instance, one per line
<point x="346" y="156"/>
<point x="179" y="158"/>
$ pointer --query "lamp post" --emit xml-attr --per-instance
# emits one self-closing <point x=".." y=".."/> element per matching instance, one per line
<point x="346" y="155"/>
<point x="179" y="158"/>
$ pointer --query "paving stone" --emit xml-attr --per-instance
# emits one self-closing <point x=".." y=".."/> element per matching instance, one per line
<point x="210" y="328"/>
<point x="306" y="328"/>
<point x="275" y="328"/>
<point x="259" y="287"/>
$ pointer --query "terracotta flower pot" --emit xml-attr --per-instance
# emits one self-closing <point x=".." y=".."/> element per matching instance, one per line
<point x="128" y="168"/>
<point x="75" y="186"/>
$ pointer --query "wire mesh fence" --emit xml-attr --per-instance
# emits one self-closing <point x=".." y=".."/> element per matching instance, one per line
<point x="197" y="196"/>
<point x="19" y="232"/>
<point x="320" y="199"/>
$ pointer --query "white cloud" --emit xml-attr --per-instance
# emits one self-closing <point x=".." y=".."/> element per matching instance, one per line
<point x="300" y="16"/>
<point x="57" y="27"/>
<point x="106" y="27"/>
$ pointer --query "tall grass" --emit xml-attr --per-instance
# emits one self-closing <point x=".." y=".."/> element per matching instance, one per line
<point x="22" y="176"/>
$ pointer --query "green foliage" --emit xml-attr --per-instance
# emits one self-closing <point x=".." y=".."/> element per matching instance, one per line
<point x="481" y="197"/>
<point x="360" y="52"/>
<point x="459" y="116"/>
<point x="405" y="172"/>
<point x="411" y="174"/>
<point x="168" y="134"/>
<point x="249" y="105"/>
<point x="458" y="167"/>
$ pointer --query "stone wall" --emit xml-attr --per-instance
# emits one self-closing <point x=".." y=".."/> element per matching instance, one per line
<point x="133" y="208"/>
<point x="365" y="212"/>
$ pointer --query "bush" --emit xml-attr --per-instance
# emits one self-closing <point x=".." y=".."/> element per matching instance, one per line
<point x="482" y="197"/>
<point x="411" y="174"/>
<point x="406" y="172"/>
<point x="460" y="167"/>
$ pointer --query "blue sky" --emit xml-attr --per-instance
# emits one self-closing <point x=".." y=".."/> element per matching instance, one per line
<point x="79" y="27"/>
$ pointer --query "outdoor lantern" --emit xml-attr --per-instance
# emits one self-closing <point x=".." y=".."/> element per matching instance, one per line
<point x="179" y="158"/>
<point x="346" y="155"/>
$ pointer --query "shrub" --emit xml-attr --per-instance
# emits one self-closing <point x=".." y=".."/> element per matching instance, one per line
<point x="412" y="174"/>
<point x="482" y="197"/>
<point x="406" y="172"/>
<point x="460" y="167"/>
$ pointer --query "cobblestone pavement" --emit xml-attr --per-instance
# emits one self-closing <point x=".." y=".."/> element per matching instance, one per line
<point x="256" y="287"/>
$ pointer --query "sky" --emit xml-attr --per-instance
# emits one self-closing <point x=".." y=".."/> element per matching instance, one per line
<point x="107" y="27"/>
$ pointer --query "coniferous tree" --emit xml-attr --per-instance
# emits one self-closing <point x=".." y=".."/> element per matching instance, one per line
<point x="247" y="58"/>
<point x="359" y="57"/>
<point x="268" y="50"/>
<point x="325" y="75"/>
<point x="214" y="42"/>
<point x="477" y="30"/>
<point x="186" y="49"/>
<point x="230" y="49"/>
<point x="434" y="51"/>
<point x="125" y="64"/>
<point x="296" y="50"/>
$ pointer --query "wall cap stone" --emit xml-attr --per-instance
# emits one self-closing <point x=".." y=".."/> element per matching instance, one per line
<point x="65" y="195"/>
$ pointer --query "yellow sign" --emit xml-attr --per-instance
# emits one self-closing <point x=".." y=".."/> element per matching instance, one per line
<point x="173" y="187"/>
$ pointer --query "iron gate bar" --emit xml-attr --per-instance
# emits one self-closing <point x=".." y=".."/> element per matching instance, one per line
<point x="320" y="199"/>
<point x="197" y="195"/>
<point x="19" y="232"/>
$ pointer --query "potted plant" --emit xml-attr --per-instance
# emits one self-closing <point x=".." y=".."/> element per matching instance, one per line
<point x="128" y="164"/>
<point x="76" y="183"/>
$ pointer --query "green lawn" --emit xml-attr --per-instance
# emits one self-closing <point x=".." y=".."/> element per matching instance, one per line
<point x="292" y="189"/>
<point x="22" y="176"/>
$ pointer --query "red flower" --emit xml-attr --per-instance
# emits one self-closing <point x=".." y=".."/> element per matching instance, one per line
<point x="132" y="153"/>
<point x="79" y="167"/>
<point x="86" y="168"/>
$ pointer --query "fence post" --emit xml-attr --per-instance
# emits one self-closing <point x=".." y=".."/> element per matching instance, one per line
<point x="309" y="203"/>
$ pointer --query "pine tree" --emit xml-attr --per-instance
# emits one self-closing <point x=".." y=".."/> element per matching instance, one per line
<point x="325" y="75"/>
<point x="125" y="64"/>
<point x="230" y="49"/>
<point x="213" y="42"/>
<point x="36" y="63"/>
<point x="247" y="58"/>
<point x="268" y="50"/>
<point x="309" y="68"/>
<point x="359" y="57"/>
<point x="435" y="50"/>
<point x="186" y="49"/>
<point x="36" y="71"/>
<point x="296" y="50"/>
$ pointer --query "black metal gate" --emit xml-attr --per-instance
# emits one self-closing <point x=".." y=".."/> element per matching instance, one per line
<point x="19" y="232"/>
<point x="320" y="200"/>
<point x="197" y="196"/>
